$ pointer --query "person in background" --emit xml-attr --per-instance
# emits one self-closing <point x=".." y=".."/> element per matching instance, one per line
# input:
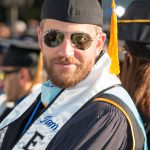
<point x="19" y="29"/>
<point x="29" y="33"/>
<point x="3" y="47"/>
<point x="32" y="24"/>
<point x="19" y="69"/>
<point x="82" y="105"/>
<point x="5" y="31"/>
<point x="134" y="29"/>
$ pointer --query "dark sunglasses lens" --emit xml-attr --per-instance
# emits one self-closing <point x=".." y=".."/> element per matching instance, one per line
<point x="81" y="40"/>
<point x="53" y="38"/>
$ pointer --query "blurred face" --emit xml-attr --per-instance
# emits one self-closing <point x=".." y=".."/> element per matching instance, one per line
<point x="11" y="84"/>
<point x="69" y="51"/>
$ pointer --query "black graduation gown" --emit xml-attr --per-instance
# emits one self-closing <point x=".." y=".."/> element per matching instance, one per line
<point x="96" y="126"/>
<point x="147" y="129"/>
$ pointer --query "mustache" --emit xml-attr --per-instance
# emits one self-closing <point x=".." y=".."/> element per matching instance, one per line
<point x="67" y="61"/>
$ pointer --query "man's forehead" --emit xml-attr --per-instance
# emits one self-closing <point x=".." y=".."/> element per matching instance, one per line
<point x="55" y="24"/>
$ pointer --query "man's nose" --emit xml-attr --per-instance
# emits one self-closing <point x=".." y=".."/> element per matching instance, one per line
<point x="67" y="49"/>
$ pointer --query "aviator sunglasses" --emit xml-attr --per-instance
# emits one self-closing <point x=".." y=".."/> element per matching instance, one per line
<point x="53" y="38"/>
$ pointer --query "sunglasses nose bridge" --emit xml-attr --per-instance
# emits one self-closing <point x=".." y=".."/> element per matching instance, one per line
<point x="67" y="48"/>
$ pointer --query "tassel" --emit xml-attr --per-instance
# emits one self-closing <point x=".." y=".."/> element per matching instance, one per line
<point x="39" y="73"/>
<point x="113" y="43"/>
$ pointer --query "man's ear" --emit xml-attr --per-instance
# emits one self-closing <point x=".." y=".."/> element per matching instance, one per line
<point x="101" y="40"/>
<point x="39" y="33"/>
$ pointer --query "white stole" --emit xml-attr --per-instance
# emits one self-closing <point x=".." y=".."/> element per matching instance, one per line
<point x="63" y="108"/>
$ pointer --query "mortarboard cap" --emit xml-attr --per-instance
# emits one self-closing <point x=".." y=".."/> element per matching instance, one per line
<point x="75" y="11"/>
<point x="134" y="27"/>
<point x="21" y="54"/>
<point x="24" y="54"/>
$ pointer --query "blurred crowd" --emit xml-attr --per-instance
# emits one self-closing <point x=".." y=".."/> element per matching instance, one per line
<point x="20" y="30"/>
<point x="21" y="66"/>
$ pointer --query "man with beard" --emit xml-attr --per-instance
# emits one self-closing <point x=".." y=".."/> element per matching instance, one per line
<point x="82" y="105"/>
